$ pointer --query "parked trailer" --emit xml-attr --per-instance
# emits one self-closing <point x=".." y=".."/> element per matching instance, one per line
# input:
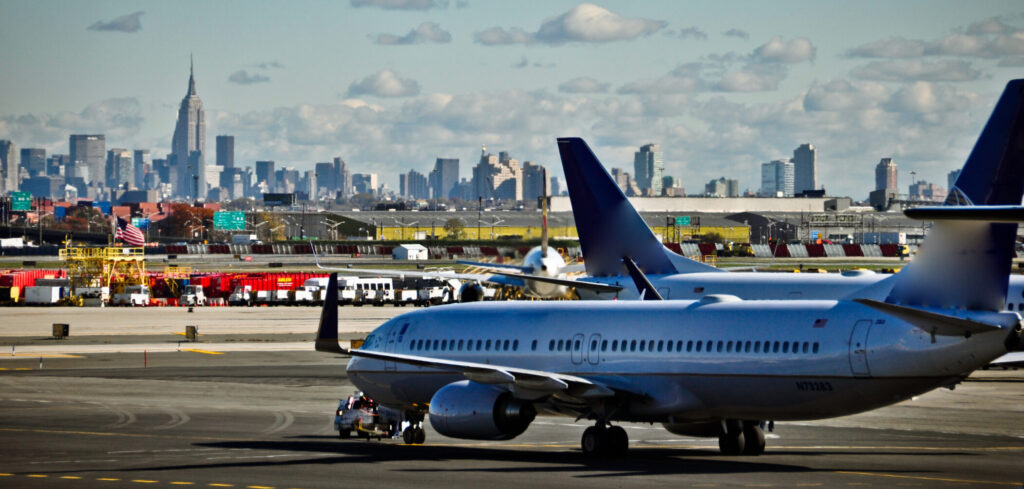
<point x="44" y="295"/>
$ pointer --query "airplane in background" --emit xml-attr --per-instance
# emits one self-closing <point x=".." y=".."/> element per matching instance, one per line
<point x="610" y="228"/>
<point x="542" y="274"/>
<point x="719" y="366"/>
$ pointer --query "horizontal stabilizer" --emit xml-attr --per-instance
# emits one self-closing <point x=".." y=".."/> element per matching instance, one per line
<point x="931" y="321"/>
<point x="643" y="286"/>
<point x="986" y="213"/>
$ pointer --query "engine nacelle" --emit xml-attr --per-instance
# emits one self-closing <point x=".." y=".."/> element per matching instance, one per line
<point x="471" y="292"/>
<point x="479" y="412"/>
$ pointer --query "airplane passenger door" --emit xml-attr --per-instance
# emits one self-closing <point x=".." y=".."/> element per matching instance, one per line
<point x="594" y="349"/>
<point x="859" y="348"/>
<point x="576" y="349"/>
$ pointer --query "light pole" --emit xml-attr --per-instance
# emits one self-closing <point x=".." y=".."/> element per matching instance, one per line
<point x="495" y="223"/>
<point x="331" y="227"/>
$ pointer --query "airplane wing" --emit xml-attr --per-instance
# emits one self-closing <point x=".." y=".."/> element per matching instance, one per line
<point x="535" y="381"/>
<point x="495" y="266"/>
<point x="1015" y="359"/>
<point x="579" y="284"/>
<point x="498" y="277"/>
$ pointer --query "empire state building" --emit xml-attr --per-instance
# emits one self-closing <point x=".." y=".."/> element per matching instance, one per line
<point x="189" y="145"/>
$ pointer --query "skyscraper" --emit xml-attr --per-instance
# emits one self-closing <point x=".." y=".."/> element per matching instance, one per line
<point x="33" y="160"/>
<point x="344" y="177"/>
<point x="189" y="143"/>
<point x="265" y="174"/>
<point x="143" y="164"/>
<point x="805" y="168"/>
<point x="226" y="151"/>
<point x="777" y="178"/>
<point x="413" y="185"/>
<point x="119" y="168"/>
<point x="8" y="167"/>
<point x="885" y="175"/>
<point x="535" y="181"/>
<point x="648" y="166"/>
<point x="88" y="154"/>
<point x="951" y="179"/>
<point x="444" y="178"/>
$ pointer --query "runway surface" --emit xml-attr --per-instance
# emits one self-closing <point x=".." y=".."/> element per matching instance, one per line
<point x="263" y="420"/>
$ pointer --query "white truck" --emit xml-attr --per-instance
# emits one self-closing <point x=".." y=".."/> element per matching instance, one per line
<point x="133" y="295"/>
<point x="433" y="292"/>
<point x="244" y="239"/>
<point x="241" y="296"/>
<point x="193" y="296"/>
<point x="358" y="291"/>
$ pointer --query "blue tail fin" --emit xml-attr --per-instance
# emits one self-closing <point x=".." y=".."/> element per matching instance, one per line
<point x="608" y="225"/>
<point x="966" y="264"/>
<point x="994" y="173"/>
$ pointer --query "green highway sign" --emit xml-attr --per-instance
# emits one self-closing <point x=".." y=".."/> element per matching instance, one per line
<point x="21" y="201"/>
<point x="229" y="221"/>
<point x="682" y="220"/>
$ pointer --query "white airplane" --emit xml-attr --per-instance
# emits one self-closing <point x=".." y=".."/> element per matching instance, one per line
<point x="542" y="274"/>
<point x="718" y="366"/>
<point x="610" y="228"/>
<point x="715" y="367"/>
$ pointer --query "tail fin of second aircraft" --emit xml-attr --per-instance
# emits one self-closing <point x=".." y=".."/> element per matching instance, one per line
<point x="608" y="225"/>
<point x="994" y="172"/>
<point x="965" y="260"/>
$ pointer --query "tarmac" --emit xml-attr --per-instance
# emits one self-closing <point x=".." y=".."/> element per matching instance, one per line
<point x="254" y="410"/>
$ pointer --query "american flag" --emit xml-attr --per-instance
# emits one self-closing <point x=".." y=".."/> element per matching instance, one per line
<point x="131" y="235"/>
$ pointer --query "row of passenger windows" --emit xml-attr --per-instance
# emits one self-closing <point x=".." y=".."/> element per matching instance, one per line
<point x="624" y="345"/>
<point x="690" y="346"/>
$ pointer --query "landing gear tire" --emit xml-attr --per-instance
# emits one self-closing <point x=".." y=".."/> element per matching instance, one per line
<point x="414" y="436"/>
<point x="594" y="441"/>
<point x="344" y="433"/>
<point x="732" y="443"/>
<point x="601" y="441"/>
<point x="617" y="441"/>
<point x="409" y="435"/>
<point x="421" y="436"/>
<point x="754" y="440"/>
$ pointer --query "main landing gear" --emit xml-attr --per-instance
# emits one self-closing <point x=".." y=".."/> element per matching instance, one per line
<point x="604" y="441"/>
<point x="742" y="438"/>
<point x="414" y="435"/>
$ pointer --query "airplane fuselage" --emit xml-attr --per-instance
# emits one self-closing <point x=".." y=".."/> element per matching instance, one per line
<point x="686" y="361"/>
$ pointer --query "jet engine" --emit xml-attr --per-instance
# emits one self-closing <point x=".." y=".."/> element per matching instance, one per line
<point x="480" y="412"/>
<point x="471" y="292"/>
<point x="705" y="429"/>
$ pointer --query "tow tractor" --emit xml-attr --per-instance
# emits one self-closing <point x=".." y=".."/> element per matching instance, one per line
<point x="360" y="415"/>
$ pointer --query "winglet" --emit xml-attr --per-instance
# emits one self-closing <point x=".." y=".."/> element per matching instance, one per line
<point x="643" y="286"/>
<point x="327" y="334"/>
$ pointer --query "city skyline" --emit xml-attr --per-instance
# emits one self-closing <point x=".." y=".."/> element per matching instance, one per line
<point x="720" y="89"/>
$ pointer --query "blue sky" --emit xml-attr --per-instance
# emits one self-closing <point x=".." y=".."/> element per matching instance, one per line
<point x="389" y="85"/>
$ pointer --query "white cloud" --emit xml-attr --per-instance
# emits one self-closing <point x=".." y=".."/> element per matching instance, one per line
<point x="243" y="77"/>
<point x="384" y="83"/>
<point x="583" y="23"/>
<point x="991" y="25"/>
<point x="583" y="85"/>
<point x="779" y="51"/>
<point x="664" y="85"/>
<point x="890" y="47"/>
<point x="916" y="70"/>
<point x="426" y="32"/>
<point x="752" y="78"/>
<point x="117" y="118"/>
<point x="929" y="98"/>
<point x="401" y="4"/>
<point x="737" y="33"/>
<point x="840" y="95"/>
<point x="692" y="32"/>
<point x="496" y="36"/>
<point x="124" y="23"/>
